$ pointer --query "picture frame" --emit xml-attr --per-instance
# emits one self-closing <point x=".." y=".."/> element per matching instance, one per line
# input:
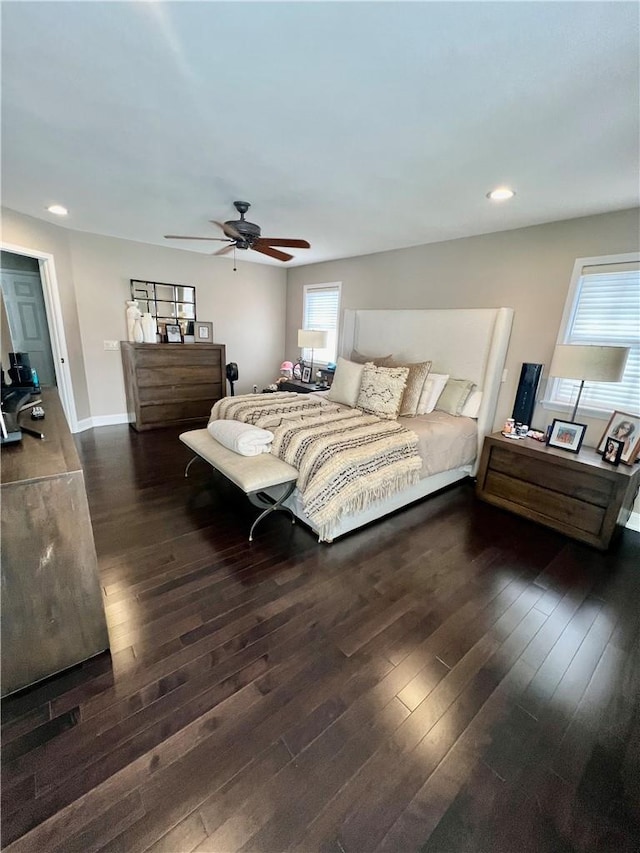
<point x="306" y="374"/>
<point x="203" y="332"/>
<point x="624" y="427"/>
<point x="612" y="452"/>
<point x="173" y="333"/>
<point x="566" y="435"/>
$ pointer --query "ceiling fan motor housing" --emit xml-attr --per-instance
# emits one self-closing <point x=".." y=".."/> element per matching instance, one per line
<point x="249" y="230"/>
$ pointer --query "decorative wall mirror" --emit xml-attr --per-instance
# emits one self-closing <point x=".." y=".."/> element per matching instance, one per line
<point x="168" y="303"/>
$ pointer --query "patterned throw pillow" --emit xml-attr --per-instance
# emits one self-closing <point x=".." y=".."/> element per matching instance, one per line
<point x="381" y="390"/>
<point x="418" y="372"/>
<point x="454" y="396"/>
<point x="380" y="360"/>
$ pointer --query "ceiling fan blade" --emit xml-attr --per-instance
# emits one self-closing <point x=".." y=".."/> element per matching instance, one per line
<point x="229" y="230"/>
<point x="183" y="237"/>
<point x="283" y="241"/>
<point x="273" y="253"/>
<point x="224" y="250"/>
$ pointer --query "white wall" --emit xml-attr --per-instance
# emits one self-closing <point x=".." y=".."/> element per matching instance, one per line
<point x="528" y="269"/>
<point x="247" y="307"/>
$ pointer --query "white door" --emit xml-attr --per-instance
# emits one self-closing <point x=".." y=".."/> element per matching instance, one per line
<point x="27" y="317"/>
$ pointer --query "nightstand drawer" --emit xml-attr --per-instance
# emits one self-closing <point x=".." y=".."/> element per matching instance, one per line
<point x="583" y="485"/>
<point x="554" y="505"/>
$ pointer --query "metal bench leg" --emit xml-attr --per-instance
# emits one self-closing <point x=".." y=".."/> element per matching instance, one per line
<point x="261" y="500"/>
<point x="190" y="463"/>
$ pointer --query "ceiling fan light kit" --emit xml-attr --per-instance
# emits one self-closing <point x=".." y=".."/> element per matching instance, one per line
<point x="242" y="234"/>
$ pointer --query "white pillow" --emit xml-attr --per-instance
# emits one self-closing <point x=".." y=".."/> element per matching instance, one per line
<point x="245" y="439"/>
<point x="472" y="406"/>
<point x="431" y="390"/>
<point x="346" y="382"/>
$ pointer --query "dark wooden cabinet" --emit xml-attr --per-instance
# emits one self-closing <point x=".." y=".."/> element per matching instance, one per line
<point x="298" y="386"/>
<point x="577" y="494"/>
<point x="172" y="383"/>
<point x="52" y="611"/>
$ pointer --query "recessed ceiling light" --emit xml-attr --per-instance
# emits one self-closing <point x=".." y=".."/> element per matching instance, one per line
<point x="58" y="209"/>
<point x="501" y="194"/>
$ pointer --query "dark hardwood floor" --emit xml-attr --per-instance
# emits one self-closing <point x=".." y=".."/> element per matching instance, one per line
<point x="452" y="679"/>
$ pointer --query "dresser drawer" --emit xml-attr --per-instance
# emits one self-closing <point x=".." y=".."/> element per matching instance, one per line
<point x="183" y="374"/>
<point x="210" y="391"/>
<point x="584" y="485"/>
<point x="158" y="355"/>
<point x="161" y="413"/>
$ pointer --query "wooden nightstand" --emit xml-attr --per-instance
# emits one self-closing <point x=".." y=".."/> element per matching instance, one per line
<point x="577" y="494"/>
<point x="300" y="387"/>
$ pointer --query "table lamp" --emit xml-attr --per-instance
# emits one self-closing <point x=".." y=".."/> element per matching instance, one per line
<point x="312" y="339"/>
<point x="588" y="364"/>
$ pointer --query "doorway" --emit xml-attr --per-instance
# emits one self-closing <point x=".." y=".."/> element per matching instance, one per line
<point x="48" y="328"/>
<point x="26" y="313"/>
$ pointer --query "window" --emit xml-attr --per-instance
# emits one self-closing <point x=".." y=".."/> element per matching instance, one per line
<point x="321" y="311"/>
<point x="603" y="307"/>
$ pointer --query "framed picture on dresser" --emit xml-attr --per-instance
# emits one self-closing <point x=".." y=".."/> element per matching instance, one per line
<point x="174" y="333"/>
<point x="203" y="332"/>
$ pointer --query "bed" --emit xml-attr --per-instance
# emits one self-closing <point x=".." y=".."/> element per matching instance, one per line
<point x="469" y="344"/>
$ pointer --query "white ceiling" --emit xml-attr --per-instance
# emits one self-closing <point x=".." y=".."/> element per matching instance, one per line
<point x="358" y="126"/>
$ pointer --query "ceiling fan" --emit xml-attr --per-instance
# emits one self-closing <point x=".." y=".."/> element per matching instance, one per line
<point x="241" y="234"/>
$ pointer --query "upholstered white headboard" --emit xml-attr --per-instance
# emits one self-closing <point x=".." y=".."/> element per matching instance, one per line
<point x="467" y="343"/>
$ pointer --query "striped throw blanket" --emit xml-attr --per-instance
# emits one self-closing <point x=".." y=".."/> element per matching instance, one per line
<point x="346" y="460"/>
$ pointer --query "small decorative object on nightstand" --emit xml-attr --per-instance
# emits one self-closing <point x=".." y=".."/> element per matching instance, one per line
<point x="576" y="494"/>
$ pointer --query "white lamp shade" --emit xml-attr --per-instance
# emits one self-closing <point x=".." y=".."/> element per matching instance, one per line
<point x="312" y="338"/>
<point x="591" y="363"/>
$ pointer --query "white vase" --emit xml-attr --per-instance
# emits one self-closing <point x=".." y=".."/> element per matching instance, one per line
<point x="133" y="314"/>
<point x="138" y="335"/>
<point x="148" y="328"/>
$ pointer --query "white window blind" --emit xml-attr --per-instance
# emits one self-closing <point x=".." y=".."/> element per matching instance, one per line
<point x="605" y="311"/>
<point x="321" y="311"/>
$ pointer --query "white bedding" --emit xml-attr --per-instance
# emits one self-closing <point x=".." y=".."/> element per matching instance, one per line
<point x="444" y="441"/>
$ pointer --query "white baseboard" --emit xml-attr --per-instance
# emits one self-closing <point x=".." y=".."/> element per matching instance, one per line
<point x="634" y="522"/>
<point x="102" y="420"/>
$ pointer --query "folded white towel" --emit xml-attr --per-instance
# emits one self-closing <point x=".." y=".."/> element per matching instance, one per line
<point x="242" y="438"/>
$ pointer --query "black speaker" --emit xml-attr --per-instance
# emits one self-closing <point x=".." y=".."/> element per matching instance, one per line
<point x="232" y="375"/>
<point x="526" y="394"/>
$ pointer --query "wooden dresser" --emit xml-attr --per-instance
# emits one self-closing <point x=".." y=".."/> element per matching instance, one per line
<point x="172" y="383"/>
<point x="52" y="611"/>
<point x="577" y="494"/>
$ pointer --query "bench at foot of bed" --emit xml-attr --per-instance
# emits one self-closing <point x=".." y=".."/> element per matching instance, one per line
<point x="252" y="474"/>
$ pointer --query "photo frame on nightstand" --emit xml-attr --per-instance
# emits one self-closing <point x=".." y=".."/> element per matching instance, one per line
<point x="306" y="374"/>
<point x="613" y="449"/>
<point x="566" y="435"/>
<point x="623" y="427"/>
